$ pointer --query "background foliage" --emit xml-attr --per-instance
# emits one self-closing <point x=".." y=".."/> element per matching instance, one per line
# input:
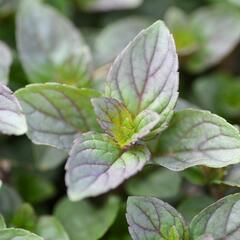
<point x="33" y="192"/>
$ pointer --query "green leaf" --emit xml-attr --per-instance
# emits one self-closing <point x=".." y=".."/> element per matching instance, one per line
<point x="12" y="120"/>
<point x="220" y="220"/>
<point x="191" y="206"/>
<point x="10" y="201"/>
<point x="108" y="5"/>
<point x="82" y="220"/>
<point x="5" y="62"/>
<point x="25" y="218"/>
<point x="221" y="94"/>
<point x="18" y="234"/>
<point x="145" y="75"/>
<point x="184" y="34"/>
<point x="108" y="44"/>
<point x="48" y="158"/>
<point x="97" y="165"/>
<point x="219" y="25"/>
<point x="119" y="123"/>
<point x="151" y="219"/>
<point x="2" y="223"/>
<point x="32" y="187"/>
<point x="51" y="229"/>
<point x="57" y="113"/>
<point x="53" y="50"/>
<point x="161" y="183"/>
<point x="197" y="137"/>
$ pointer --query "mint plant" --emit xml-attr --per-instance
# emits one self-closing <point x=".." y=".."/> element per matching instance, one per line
<point x="137" y="123"/>
<point x="150" y="218"/>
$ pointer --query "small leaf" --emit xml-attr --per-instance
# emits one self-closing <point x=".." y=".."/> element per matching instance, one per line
<point x="82" y="220"/>
<point x="145" y="75"/>
<point x="53" y="50"/>
<point x="152" y="219"/>
<point x="96" y="165"/>
<point x="51" y="229"/>
<point x="2" y="223"/>
<point x="119" y="123"/>
<point x="197" y="137"/>
<point x="12" y="120"/>
<point x="25" y="218"/>
<point x="5" y="62"/>
<point x="220" y="220"/>
<point x="108" y="5"/>
<point x="18" y="234"/>
<point x="114" y="119"/>
<point x="57" y="113"/>
<point x="161" y="183"/>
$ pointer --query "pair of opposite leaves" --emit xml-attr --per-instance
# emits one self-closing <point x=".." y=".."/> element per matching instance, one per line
<point x="141" y="93"/>
<point x="151" y="219"/>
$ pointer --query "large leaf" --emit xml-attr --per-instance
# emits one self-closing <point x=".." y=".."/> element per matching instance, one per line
<point x="56" y="113"/>
<point x="197" y="137"/>
<point x="96" y="165"/>
<point x="12" y="120"/>
<point x="82" y="220"/>
<point x="51" y="229"/>
<point x="5" y="62"/>
<point x="152" y="219"/>
<point x="107" y="5"/>
<point x="218" y="221"/>
<point x="220" y="29"/>
<point x="145" y="75"/>
<point x="18" y="234"/>
<point x="119" y="123"/>
<point x="52" y="50"/>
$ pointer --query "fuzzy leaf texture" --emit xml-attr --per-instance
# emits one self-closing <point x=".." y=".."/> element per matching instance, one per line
<point x="145" y="74"/>
<point x="152" y="219"/>
<point x="57" y="113"/>
<point x="196" y="137"/>
<point x="97" y="165"/>
<point x="53" y="50"/>
<point x="12" y="120"/>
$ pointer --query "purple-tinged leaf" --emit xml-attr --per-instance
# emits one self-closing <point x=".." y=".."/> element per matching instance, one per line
<point x="97" y="164"/>
<point x="145" y="75"/>
<point x="57" y="113"/>
<point x="119" y="123"/>
<point x="12" y="120"/>
<point x="218" y="221"/>
<point x="196" y="137"/>
<point x="152" y="219"/>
